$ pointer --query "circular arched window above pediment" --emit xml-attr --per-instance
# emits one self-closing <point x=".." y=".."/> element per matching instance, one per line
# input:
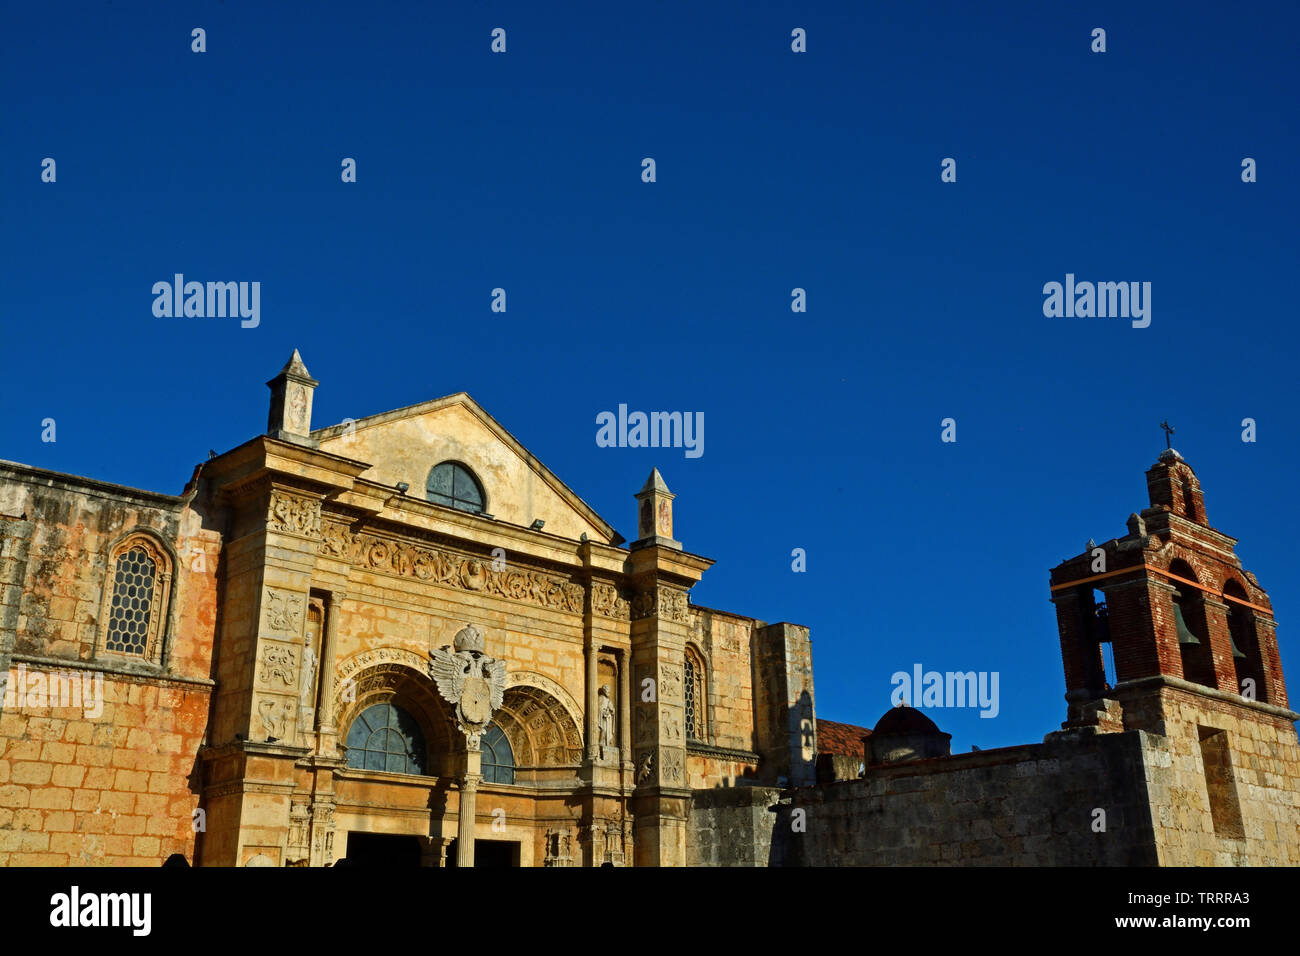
<point x="452" y="484"/>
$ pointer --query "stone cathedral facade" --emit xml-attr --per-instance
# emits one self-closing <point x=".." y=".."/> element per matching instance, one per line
<point x="403" y="640"/>
<point x="241" y="674"/>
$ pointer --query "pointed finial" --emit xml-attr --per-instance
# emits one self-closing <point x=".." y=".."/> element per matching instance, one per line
<point x="655" y="483"/>
<point x="655" y="513"/>
<point x="295" y="366"/>
<point x="291" y="399"/>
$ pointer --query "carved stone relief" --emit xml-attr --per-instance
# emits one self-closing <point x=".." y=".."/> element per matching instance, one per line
<point x="278" y="664"/>
<point x="293" y="514"/>
<point x="559" y="847"/>
<point x="450" y="569"/>
<point x="645" y="767"/>
<point x="275" y="714"/>
<point x="670" y="683"/>
<point x="663" y="601"/>
<point x="283" y="611"/>
<point x="606" y="601"/>
<point x="671" y="770"/>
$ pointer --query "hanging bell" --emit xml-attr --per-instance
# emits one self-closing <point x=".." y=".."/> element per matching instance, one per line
<point x="1185" y="635"/>
<point x="1101" y="624"/>
<point x="1236" y="651"/>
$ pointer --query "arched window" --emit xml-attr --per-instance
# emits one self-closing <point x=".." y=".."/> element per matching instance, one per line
<point x="454" y="485"/>
<point x="696" y="698"/>
<point x="497" y="760"/>
<point x="385" y="737"/>
<point x="136" y="599"/>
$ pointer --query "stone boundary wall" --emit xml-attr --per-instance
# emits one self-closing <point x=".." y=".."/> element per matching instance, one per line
<point x="1025" y="806"/>
<point x="1034" y="805"/>
<point x="731" y="827"/>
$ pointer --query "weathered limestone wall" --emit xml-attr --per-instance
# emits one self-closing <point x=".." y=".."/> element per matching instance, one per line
<point x="1024" y="806"/>
<point x="98" y="750"/>
<point x="731" y="827"/>
<point x="724" y="641"/>
<point x="1244" y="810"/>
<point x="106" y="785"/>
<point x="785" y="728"/>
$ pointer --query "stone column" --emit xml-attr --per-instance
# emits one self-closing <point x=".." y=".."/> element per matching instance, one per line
<point x="625" y="707"/>
<point x="328" y="654"/>
<point x="592" y="704"/>
<point x="465" y="813"/>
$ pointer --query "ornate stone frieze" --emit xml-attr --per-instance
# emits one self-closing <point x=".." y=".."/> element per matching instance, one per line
<point x="606" y="602"/>
<point x="662" y="601"/>
<point x="450" y="569"/>
<point x="294" y="514"/>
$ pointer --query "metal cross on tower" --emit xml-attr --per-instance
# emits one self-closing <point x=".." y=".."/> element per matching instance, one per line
<point x="1169" y="430"/>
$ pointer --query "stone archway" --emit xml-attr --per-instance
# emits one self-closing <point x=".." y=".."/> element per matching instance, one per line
<point x="542" y="730"/>
<point x="397" y="682"/>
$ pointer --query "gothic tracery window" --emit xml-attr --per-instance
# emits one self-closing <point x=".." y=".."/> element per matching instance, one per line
<point x="693" y="687"/>
<point x="452" y="484"/>
<point x="136" y="599"/>
<point x="386" y="737"/>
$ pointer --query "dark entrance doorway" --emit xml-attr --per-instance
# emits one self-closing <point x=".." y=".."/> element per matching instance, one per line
<point x="489" y="854"/>
<point x="383" y="849"/>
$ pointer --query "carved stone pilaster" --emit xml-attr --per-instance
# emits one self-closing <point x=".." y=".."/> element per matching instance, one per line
<point x="299" y="848"/>
<point x="559" y="847"/>
<point x="322" y="833"/>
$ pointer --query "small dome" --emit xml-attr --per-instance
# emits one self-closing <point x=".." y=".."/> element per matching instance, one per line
<point x="904" y="720"/>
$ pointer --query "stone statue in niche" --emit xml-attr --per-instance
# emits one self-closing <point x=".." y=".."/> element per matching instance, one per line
<point x="606" y="720"/>
<point x="307" y="689"/>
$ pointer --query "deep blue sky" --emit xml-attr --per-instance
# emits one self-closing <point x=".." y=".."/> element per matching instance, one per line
<point x="775" y="170"/>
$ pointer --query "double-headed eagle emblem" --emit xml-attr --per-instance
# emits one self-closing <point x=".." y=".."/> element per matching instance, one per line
<point x="473" y="683"/>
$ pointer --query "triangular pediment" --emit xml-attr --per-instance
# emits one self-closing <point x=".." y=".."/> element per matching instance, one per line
<point x="405" y="444"/>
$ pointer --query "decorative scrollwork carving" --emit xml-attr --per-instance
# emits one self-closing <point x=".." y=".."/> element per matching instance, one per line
<point x="278" y="662"/>
<point x="450" y="569"/>
<point x="284" y="612"/>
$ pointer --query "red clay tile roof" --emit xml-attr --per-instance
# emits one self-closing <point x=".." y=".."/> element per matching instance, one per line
<point x="837" y="738"/>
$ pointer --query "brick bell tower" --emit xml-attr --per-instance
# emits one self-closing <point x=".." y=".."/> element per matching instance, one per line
<point x="1185" y="623"/>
